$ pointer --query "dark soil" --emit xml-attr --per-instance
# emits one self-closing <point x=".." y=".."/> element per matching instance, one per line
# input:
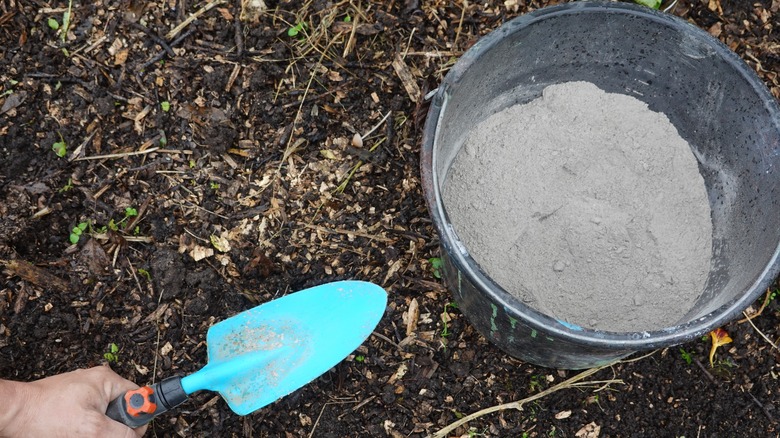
<point x="236" y="130"/>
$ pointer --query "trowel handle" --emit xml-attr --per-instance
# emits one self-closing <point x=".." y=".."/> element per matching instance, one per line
<point x="139" y="406"/>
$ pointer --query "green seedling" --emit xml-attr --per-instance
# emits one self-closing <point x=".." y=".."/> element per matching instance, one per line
<point x="445" y="332"/>
<point x="112" y="355"/>
<point x="77" y="231"/>
<point x="436" y="265"/>
<point x="360" y="358"/>
<point x="60" y="148"/>
<point x="143" y="272"/>
<point x="655" y="4"/>
<point x="348" y="18"/>
<point x="129" y="212"/>
<point x="686" y="356"/>
<point x="214" y="185"/>
<point x="297" y="29"/>
<point x="53" y="23"/>
<point x="67" y="186"/>
<point x="66" y="22"/>
<point x="165" y="106"/>
<point x="534" y="385"/>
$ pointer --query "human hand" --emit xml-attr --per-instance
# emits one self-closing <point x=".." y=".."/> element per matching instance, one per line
<point x="66" y="405"/>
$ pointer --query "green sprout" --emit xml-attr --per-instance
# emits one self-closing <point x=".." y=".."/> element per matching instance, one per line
<point x="436" y="265"/>
<point x="112" y="355"/>
<point x="535" y="385"/>
<point x="214" y="185"/>
<point x="67" y="186"/>
<point x="655" y="4"/>
<point x="686" y="356"/>
<point x="165" y="106"/>
<point x="446" y="330"/>
<point x="143" y="272"/>
<point x="66" y="22"/>
<point x="297" y="29"/>
<point x="77" y="231"/>
<point x="348" y="18"/>
<point x="60" y="148"/>
<point x="53" y="23"/>
<point x="360" y="358"/>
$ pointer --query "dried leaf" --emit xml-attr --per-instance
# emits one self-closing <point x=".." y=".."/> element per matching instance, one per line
<point x="562" y="415"/>
<point x="251" y="10"/>
<point x="399" y="373"/>
<point x="95" y="258"/>
<point x="412" y="316"/>
<point x="13" y="101"/>
<point x="221" y="243"/>
<point x="199" y="253"/>
<point x="407" y="79"/>
<point x="590" y="430"/>
<point x="719" y="337"/>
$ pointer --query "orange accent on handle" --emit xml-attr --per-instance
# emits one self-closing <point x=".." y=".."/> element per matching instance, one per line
<point x="138" y="401"/>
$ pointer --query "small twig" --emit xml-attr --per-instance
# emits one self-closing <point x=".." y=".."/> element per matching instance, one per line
<point x="237" y="35"/>
<point x="375" y="127"/>
<point x="386" y="339"/>
<point x="763" y="306"/>
<point x="121" y="155"/>
<point x="192" y="17"/>
<point x="155" y="37"/>
<point x="704" y="369"/>
<point x="346" y="232"/>
<point x="460" y="23"/>
<point x="763" y="408"/>
<point x="761" y="333"/>
<point x="637" y="359"/>
<point x="519" y="403"/>
<point x="161" y="54"/>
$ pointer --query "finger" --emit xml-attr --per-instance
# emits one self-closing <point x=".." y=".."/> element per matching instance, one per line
<point x="140" y="431"/>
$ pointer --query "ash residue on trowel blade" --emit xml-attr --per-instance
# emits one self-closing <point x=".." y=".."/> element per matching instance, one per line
<point x="586" y="205"/>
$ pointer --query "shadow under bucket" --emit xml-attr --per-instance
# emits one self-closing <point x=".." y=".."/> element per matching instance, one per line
<point x="715" y="101"/>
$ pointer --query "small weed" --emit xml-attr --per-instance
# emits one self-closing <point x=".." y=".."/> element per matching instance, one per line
<point x="60" y="148"/>
<point x="66" y="22"/>
<point x="360" y="358"/>
<point x="534" y="385"/>
<point x="112" y="355"/>
<point x="143" y="272"/>
<point x="192" y="163"/>
<point x="214" y="185"/>
<point x="53" y="23"/>
<point x="165" y="106"/>
<point x="66" y="187"/>
<point x="77" y="231"/>
<point x="297" y="29"/>
<point x="655" y="4"/>
<point x="445" y="332"/>
<point x="436" y="265"/>
<point x="686" y="356"/>
<point x="348" y="18"/>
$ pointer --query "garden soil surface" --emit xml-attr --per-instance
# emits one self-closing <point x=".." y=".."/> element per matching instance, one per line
<point x="218" y="155"/>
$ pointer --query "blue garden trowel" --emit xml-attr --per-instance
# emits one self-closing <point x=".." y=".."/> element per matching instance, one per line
<point x="269" y="351"/>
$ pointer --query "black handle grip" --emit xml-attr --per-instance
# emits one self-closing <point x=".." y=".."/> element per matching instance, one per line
<point x="139" y="406"/>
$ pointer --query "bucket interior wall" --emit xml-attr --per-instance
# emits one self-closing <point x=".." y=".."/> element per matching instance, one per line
<point x="732" y="132"/>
